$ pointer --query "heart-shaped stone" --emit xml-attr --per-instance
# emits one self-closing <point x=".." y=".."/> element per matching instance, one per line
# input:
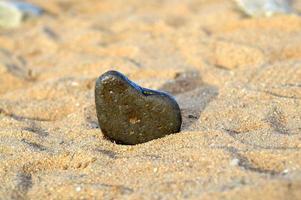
<point x="130" y="114"/>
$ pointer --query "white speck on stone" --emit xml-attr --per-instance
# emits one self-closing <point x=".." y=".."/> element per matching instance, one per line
<point x="285" y="171"/>
<point x="111" y="92"/>
<point x="155" y="170"/>
<point x="234" y="162"/>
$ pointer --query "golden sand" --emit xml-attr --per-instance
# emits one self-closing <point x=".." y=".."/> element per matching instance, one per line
<point x="237" y="80"/>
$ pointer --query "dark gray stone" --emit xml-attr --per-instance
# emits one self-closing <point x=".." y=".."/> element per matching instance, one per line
<point x="130" y="114"/>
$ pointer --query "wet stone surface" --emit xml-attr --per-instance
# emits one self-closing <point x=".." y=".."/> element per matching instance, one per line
<point x="130" y="114"/>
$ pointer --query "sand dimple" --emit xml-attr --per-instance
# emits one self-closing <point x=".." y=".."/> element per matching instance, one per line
<point x="237" y="81"/>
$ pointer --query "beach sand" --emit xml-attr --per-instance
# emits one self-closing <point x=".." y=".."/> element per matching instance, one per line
<point x="237" y="80"/>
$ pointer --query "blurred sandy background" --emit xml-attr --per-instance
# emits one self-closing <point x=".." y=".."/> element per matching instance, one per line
<point x="237" y="80"/>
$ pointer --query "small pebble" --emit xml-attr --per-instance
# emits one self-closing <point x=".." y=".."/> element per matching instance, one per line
<point x="130" y="114"/>
<point x="10" y="16"/>
<point x="78" y="189"/>
<point x="234" y="162"/>
<point x="266" y="8"/>
<point x="12" y="13"/>
<point x="285" y="171"/>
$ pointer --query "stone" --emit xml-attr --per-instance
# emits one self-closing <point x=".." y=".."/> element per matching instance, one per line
<point x="268" y="8"/>
<point x="12" y="13"/>
<point x="130" y="114"/>
<point x="10" y="16"/>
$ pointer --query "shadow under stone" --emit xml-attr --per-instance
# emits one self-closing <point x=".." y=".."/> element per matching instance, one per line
<point x="192" y="95"/>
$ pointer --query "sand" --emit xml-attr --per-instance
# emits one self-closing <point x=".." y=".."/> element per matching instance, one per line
<point x="237" y="80"/>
